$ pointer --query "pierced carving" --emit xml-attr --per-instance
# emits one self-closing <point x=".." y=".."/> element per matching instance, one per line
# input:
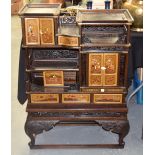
<point x="65" y="20"/>
<point x="54" y="54"/>
<point x="104" y="38"/>
<point x="35" y="127"/>
<point x="79" y="114"/>
<point x="122" y="69"/>
<point x="119" y="127"/>
<point x="110" y="29"/>
<point x="105" y="49"/>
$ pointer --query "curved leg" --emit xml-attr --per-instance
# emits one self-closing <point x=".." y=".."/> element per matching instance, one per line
<point x="119" y="127"/>
<point x="35" y="127"/>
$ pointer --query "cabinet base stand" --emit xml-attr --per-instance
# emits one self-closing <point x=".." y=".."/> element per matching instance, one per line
<point x="36" y="125"/>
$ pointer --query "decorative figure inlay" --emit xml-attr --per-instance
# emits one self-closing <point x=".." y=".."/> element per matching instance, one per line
<point x="110" y="64"/>
<point x="32" y="31"/>
<point x="47" y="31"/>
<point x="95" y="61"/>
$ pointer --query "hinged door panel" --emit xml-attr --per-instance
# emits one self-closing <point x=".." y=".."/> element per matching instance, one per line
<point x="111" y="69"/>
<point x="103" y="69"/>
<point x="32" y="31"/>
<point x="95" y="72"/>
<point x="47" y="31"/>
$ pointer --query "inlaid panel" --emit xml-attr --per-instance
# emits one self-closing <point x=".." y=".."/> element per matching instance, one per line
<point x="53" y="78"/>
<point x="44" y="98"/>
<point x="110" y="80"/>
<point x="32" y="31"/>
<point x="107" y="98"/>
<point x="95" y="80"/>
<point x="111" y="63"/>
<point x="95" y="73"/>
<point x="47" y="31"/>
<point x="111" y="71"/>
<point x="75" y="98"/>
<point x="67" y="41"/>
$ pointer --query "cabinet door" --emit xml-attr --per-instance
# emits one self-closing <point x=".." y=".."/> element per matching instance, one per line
<point x="111" y="69"/>
<point x="95" y="72"/>
<point x="32" y="31"/>
<point x="103" y="69"/>
<point x="47" y="31"/>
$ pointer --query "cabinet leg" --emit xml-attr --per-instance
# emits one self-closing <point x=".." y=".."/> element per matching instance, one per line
<point x="123" y="131"/>
<point x="34" y="127"/>
<point x="119" y="127"/>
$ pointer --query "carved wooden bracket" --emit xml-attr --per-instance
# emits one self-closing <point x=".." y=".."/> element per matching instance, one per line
<point x="119" y="127"/>
<point x="35" y="127"/>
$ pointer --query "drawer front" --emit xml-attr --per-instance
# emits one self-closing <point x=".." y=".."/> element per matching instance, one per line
<point x="75" y="98"/>
<point x="32" y="31"/>
<point x="44" y="98"/>
<point x="108" y="98"/>
<point x="53" y="78"/>
<point x="68" y="41"/>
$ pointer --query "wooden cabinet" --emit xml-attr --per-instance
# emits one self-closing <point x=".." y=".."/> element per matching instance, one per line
<point x="76" y="70"/>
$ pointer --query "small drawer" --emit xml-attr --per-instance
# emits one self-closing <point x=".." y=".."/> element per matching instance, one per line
<point x="53" y="78"/>
<point x="44" y="98"/>
<point x="68" y="41"/>
<point x="108" y="98"/>
<point x="75" y="98"/>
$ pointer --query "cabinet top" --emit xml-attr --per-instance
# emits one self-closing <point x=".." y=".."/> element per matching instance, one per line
<point x="102" y="16"/>
<point x="40" y="9"/>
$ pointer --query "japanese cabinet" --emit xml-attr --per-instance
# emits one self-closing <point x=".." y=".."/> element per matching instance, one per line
<point x="76" y="70"/>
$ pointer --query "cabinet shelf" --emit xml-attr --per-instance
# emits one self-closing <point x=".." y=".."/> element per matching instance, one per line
<point x="106" y="45"/>
<point x="39" y="69"/>
<point x="49" y="46"/>
<point x="52" y="89"/>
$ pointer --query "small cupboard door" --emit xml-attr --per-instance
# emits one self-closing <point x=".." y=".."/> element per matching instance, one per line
<point x="47" y="31"/>
<point x="32" y="31"/>
<point x="103" y="69"/>
<point x="39" y="31"/>
<point x="111" y="69"/>
<point x="95" y="73"/>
